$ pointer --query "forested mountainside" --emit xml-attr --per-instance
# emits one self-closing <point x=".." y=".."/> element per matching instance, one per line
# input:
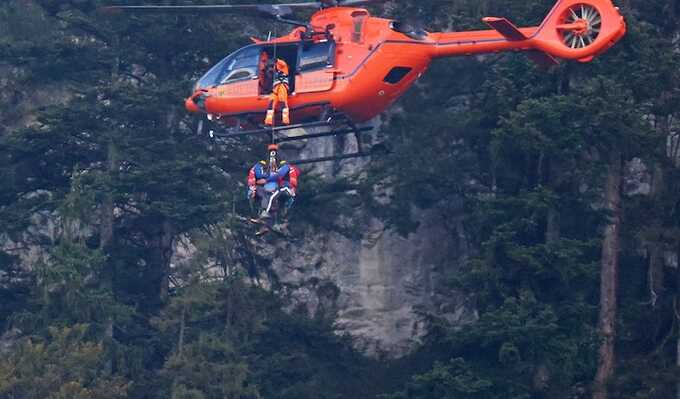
<point x="125" y="271"/>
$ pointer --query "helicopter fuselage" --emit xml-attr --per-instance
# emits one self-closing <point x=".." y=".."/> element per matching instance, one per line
<point x="359" y="65"/>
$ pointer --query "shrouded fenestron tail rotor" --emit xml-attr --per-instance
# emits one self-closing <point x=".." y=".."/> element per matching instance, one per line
<point x="581" y="26"/>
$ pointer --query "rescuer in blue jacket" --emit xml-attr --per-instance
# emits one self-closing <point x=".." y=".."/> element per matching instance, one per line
<point x="272" y="183"/>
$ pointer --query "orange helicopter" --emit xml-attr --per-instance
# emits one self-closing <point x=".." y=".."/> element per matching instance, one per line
<point x="348" y="67"/>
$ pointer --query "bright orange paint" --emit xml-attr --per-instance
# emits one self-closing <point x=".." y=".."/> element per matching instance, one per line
<point x="368" y="48"/>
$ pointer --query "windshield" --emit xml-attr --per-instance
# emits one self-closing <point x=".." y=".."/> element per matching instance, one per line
<point x="235" y="67"/>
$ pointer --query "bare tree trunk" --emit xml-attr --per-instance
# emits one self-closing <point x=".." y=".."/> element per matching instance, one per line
<point x="677" y="347"/>
<point x="677" y="320"/>
<point x="677" y="351"/>
<point x="549" y="176"/>
<point x="677" y="363"/>
<point x="656" y="274"/>
<point x="165" y="252"/>
<point x="229" y="310"/>
<point x="542" y="372"/>
<point x="182" y="327"/>
<point x="106" y="238"/>
<point x="552" y="229"/>
<point x="157" y="272"/>
<point x="609" y="278"/>
<point x="107" y="216"/>
<point x="107" y="220"/>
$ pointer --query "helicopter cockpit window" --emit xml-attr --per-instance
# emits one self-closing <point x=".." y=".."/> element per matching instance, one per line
<point x="237" y="66"/>
<point x="248" y="57"/>
<point x="243" y="66"/>
<point x="213" y="76"/>
<point x="316" y="55"/>
<point x="238" y="75"/>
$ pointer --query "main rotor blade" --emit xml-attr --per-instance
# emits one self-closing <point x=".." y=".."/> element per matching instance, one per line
<point x="348" y="3"/>
<point x="275" y="10"/>
<point x="351" y="3"/>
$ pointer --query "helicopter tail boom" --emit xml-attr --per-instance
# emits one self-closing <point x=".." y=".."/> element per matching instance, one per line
<point x="574" y="29"/>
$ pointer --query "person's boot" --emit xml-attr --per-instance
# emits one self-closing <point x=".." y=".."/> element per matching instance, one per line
<point x="261" y="218"/>
<point x="269" y="119"/>
<point x="286" y="116"/>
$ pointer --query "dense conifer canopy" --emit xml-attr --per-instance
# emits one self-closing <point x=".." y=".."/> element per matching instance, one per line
<point x="96" y="150"/>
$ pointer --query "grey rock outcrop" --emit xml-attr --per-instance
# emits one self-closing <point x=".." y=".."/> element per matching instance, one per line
<point x="8" y="340"/>
<point x="377" y="288"/>
<point x="376" y="285"/>
<point x="637" y="179"/>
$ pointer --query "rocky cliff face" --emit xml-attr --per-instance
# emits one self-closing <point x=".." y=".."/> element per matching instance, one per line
<point x="376" y="287"/>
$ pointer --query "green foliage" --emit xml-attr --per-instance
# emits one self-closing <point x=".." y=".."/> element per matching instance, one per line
<point x="511" y="154"/>
<point x="452" y="380"/>
<point x="15" y="288"/>
<point x="66" y="365"/>
<point x="208" y="368"/>
<point x="523" y="162"/>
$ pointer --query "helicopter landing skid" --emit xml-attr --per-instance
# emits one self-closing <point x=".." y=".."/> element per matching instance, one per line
<point x="338" y="125"/>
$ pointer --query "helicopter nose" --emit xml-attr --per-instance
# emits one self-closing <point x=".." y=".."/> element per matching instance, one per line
<point x="196" y="103"/>
<point x="190" y="105"/>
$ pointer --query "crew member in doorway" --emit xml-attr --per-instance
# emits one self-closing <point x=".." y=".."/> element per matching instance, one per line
<point x="280" y="90"/>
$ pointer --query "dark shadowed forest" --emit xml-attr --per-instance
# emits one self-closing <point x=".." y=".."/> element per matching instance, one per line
<point x="565" y="181"/>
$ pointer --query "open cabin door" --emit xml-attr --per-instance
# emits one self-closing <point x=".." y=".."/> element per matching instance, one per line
<point x="287" y="52"/>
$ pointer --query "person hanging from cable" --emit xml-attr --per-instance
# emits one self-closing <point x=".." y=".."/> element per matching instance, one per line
<point x="280" y="89"/>
<point x="288" y="185"/>
<point x="272" y="184"/>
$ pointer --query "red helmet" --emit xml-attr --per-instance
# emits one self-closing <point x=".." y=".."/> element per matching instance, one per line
<point x="273" y="147"/>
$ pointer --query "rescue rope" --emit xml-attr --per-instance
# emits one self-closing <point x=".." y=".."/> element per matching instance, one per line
<point x="273" y="125"/>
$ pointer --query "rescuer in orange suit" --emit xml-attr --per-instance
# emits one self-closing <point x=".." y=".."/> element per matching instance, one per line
<point x="279" y="93"/>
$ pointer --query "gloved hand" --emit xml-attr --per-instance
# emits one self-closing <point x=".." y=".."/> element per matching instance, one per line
<point x="251" y="192"/>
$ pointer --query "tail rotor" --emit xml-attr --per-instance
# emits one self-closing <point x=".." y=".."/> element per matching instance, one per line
<point x="581" y="26"/>
<point x="580" y="29"/>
